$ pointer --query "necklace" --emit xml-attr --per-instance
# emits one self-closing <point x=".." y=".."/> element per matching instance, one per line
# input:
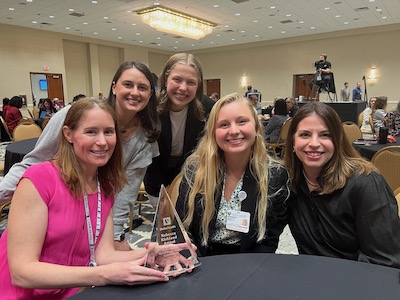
<point x="312" y="184"/>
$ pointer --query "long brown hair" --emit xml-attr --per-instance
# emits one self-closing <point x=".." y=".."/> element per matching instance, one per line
<point x="345" y="162"/>
<point x="111" y="175"/>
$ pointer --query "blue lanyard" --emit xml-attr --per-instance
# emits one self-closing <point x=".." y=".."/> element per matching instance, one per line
<point x="92" y="241"/>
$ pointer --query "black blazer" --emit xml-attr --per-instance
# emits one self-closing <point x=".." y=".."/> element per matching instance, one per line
<point x="276" y="214"/>
<point x="157" y="173"/>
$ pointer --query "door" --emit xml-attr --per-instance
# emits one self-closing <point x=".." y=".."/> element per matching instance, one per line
<point x="303" y="86"/>
<point x="213" y="86"/>
<point x="55" y="87"/>
<point x="45" y="85"/>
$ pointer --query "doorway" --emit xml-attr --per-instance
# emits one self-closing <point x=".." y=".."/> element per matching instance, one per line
<point x="302" y="86"/>
<point x="213" y="86"/>
<point x="45" y="85"/>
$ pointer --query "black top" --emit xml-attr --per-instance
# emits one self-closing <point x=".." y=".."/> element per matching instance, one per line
<point x="322" y="64"/>
<point x="359" y="222"/>
<point x="278" y="192"/>
<point x="158" y="173"/>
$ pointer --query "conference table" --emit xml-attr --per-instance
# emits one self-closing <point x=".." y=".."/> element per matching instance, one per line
<point x="367" y="148"/>
<point x="266" y="276"/>
<point x="16" y="151"/>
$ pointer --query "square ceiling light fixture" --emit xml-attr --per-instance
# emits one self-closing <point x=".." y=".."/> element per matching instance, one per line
<point x="169" y="21"/>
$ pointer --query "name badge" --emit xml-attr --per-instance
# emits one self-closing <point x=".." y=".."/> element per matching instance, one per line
<point x="238" y="221"/>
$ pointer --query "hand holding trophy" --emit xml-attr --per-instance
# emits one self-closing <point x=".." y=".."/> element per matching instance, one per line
<point x="171" y="250"/>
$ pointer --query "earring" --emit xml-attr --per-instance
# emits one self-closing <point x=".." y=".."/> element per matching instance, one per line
<point x="294" y="150"/>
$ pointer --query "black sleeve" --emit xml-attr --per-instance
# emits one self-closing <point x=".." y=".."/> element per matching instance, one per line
<point x="278" y="194"/>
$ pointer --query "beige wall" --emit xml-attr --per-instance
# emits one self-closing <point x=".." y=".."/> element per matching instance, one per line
<point x="270" y="66"/>
<point x="88" y="65"/>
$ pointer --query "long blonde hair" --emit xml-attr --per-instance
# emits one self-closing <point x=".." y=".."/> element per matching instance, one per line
<point x="204" y="170"/>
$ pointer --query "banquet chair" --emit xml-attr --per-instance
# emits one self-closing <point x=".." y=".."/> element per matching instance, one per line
<point x="360" y="119"/>
<point x="5" y="130"/>
<point x="25" y="131"/>
<point x="387" y="160"/>
<point x="283" y="134"/>
<point x="36" y="112"/>
<point x="397" y="195"/>
<point x="352" y="131"/>
<point x="4" y="208"/>
<point x="136" y="220"/>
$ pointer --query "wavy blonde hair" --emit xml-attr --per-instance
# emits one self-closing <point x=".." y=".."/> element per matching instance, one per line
<point x="204" y="170"/>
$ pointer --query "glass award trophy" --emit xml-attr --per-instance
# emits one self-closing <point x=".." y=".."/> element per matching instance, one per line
<point x="168" y="229"/>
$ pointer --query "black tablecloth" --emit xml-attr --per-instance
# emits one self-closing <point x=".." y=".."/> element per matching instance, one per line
<point x="267" y="276"/>
<point x="368" y="150"/>
<point x="16" y="151"/>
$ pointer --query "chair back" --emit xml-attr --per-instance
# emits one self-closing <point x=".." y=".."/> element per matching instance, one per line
<point x="283" y="135"/>
<point x="352" y="131"/>
<point x="8" y="136"/>
<point x="173" y="189"/>
<point x="371" y="123"/>
<point x="387" y="160"/>
<point x="25" y="131"/>
<point x="4" y="209"/>
<point x="36" y="112"/>
<point x="360" y="119"/>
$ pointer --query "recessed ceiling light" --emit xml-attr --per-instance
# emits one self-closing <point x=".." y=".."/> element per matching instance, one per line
<point x="71" y="9"/>
<point x="68" y="28"/>
<point x="378" y="9"/>
<point x="242" y="31"/>
<point x="226" y="26"/>
<point x="105" y="18"/>
<point x="176" y="42"/>
<point x="345" y="23"/>
<point x="272" y="7"/>
<point x="211" y="42"/>
<point x="283" y="31"/>
<point x="312" y="27"/>
<point x="156" y="3"/>
<point x="337" y="16"/>
<point x="301" y="22"/>
<point x="133" y="24"/>
<point x="218" y="35"/>
<point x="94" y="2"/>
<point x="34" y="22"/>
<point x="120" y="37"/>
<point x="29" y="1"/>
<point x="233" y="39"/>
<point x="140" y="41"/>
<point x="158" y="38"/>
<point x="158" y="44"/>
<point x="269" y="27"/>
<point x="255" y="21"/>
<point x="384" y="17"/>
<point x="192" y="45"/>
<point x="129" y="11"/>
<point x="137" y="33"/>
<point x="113" y="29"/>
<point x="95" y="33"/>
<point x="326" y="8"/>
<point x="216" y="5"/>
<point x="175" y="47"/>
<point x="371" y="1"/>
<point x="237" y="14"/>
<point x="256" y="36"/>
<point x="11" y="8"/>
<point x="288" y="15"/>
<point x="85" y="23"/>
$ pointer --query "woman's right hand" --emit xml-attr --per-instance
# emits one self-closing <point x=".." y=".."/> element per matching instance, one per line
<point x="131" y="273"/>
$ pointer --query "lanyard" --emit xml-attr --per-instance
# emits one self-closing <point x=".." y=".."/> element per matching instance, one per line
<point x="92" y="241"/>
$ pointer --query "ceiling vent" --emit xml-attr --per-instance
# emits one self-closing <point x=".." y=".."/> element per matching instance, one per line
<point x="286" y="21"/>
<point x="46" y="24"/>
<point x="228" y="31"/>
<point x="365" y="8"/>
<point x="75" y="14"/>
<point x="239" y="1"/>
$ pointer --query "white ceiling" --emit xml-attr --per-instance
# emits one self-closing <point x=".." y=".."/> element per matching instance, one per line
<point x="258" y="20"/>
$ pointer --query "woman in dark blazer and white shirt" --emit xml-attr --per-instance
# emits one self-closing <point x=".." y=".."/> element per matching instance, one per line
<point x="183" y="111"/>
<point x="232" y="197"/>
